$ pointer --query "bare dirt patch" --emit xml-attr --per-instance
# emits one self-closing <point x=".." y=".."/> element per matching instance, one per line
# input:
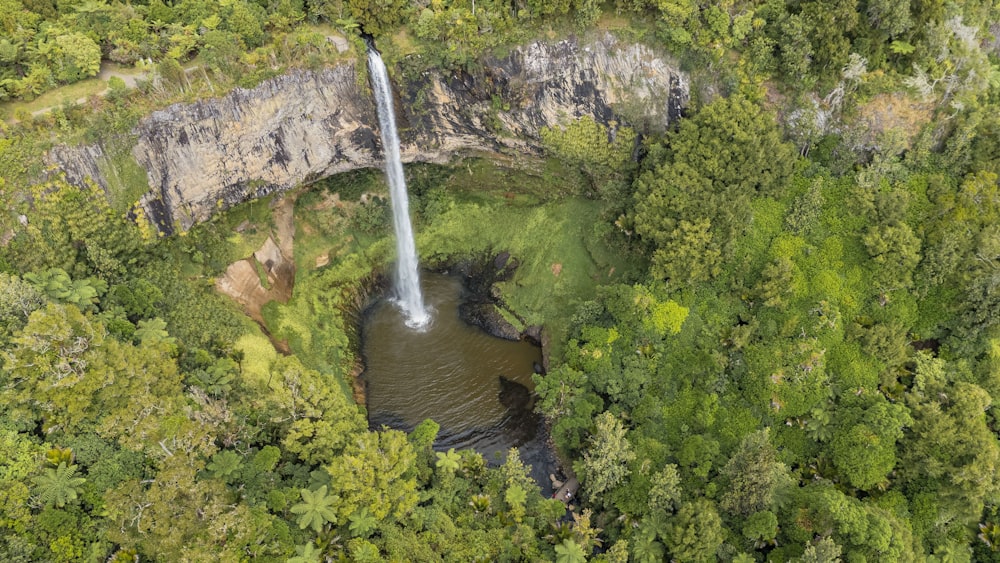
<point x="273" y="261"/>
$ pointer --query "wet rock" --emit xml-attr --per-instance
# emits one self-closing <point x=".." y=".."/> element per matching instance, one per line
<point x="533" y="334"/>
<point x="487" y="317"/>
<point x="501" y="260"/>
<point x="514" y="396"/>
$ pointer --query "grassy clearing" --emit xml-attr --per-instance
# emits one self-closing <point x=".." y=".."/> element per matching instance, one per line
<point x="245" y="228"/>
<point x="70" y="93"/>
<point x="552" y="243"/>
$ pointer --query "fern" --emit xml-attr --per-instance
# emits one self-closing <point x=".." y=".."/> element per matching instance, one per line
<point x="56" y="487"/>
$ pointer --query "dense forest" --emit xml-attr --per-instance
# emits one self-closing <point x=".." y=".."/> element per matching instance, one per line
<point x="794" y="359"/>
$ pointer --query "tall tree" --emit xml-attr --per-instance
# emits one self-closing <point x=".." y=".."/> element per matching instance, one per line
<point x="754" y="474"/>
<point x="696" y="192"/>
<point x="605" y="461"/>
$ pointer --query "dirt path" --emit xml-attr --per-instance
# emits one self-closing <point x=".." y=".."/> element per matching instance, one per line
<point x="130" y="79"/>
<point x="107" y="71"/>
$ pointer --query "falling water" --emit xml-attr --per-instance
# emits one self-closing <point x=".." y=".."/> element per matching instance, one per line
<point x="407" y="277"/>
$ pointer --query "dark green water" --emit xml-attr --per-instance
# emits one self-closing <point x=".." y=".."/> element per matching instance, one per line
<point x="477" y="387"/>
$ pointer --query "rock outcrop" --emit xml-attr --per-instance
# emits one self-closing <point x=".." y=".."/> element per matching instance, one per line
<point x="305" y="125"/>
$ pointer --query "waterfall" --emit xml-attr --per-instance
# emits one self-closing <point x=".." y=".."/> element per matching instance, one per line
<point x="407" y="276"/>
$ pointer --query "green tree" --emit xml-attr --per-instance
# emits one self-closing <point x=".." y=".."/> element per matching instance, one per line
<point x="605" y="461"/>
<point x="225" y="465"/>
<point x="307" y="553"/>
<point x="689" y="254"/>
<point x="18" y="299"/>
<point x="516" y="497"/>
<point x="665" y="492"/>
<point x="363" y="524"/>
<point x="645" y="547"/>
<point x="448" y="461"/>
<point x="245" y="21"/>
<point x="950" y="448"/>
<point x="49" y="357"/>
<point x="754" y="474"/>
<point x="829" y="26"/>
<point x="761" y="528"/>
<point x="376" y="471"/>
<point x="56" y="283"/>
<point x="695" y="533"/>
<point x="696" y="193"/>
<point x="896" y="251"/>
<point x="77" y="230"/>
<point x="139" y="297"/>
<point x="891" y="17"/>
<point x="377" y="17"/>
<point x="79" y="57"/>
<point x="152" y="332"/>
<point x="864" y="445"/>
<point x="825" y="550"/>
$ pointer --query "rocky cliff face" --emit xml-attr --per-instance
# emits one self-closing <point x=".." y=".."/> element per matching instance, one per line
<point x="306" y="125"/>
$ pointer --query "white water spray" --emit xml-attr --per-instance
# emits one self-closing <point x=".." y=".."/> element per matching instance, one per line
<point x="407" y="275"/>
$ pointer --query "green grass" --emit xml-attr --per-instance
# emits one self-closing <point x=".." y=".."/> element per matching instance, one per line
<point x="258" y="357"/>
<point x="54" y="98"/>
<point x="323" y="228"/>
<point x="256" y="218"/>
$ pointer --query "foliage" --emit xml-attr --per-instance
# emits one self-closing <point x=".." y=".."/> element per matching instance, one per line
<point x="753" y="355"/>
<point x="754" y="474"/>
<point x="377" y="16"/>
<point x="605" y="461"/>
<point x="316" y="509"/>
<point x="693" y="198"/>
<point x="59" y="485"/>
<point x="604" y="153"/>
<point x="18" y="299"/>
<point x="75" y="230"/>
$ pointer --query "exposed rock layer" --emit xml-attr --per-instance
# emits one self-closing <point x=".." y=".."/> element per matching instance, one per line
<point x="306" y="125"/>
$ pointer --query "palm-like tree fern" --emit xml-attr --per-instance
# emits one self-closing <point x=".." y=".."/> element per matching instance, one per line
<point x="305" y="554"/>
<point x="363" y="523"/>
<point x="316" y="509"/>
<point x="570" y="552"/>
<point x="58" y="486"/>
<point x="448" y="462"/>
<point x="225" y="464"/>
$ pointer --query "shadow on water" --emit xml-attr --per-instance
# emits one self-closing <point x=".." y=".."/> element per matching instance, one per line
<point x="478" y="388"/>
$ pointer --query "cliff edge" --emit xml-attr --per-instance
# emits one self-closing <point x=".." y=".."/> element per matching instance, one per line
<point x="204" y="156"/>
